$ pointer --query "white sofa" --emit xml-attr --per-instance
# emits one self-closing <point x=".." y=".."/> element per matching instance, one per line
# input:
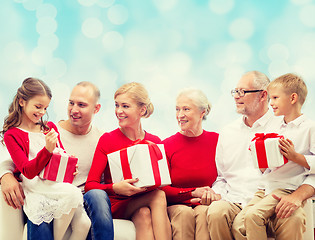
<point x="12" y="225"/>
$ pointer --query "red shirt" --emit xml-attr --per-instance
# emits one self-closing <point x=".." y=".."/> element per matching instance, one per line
<point x="191" y="163"/>
<point x="108" y="143"/>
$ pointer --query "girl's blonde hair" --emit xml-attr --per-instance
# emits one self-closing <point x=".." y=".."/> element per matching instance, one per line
<point x="139" y="94"/>
<point x="30" y="88"/>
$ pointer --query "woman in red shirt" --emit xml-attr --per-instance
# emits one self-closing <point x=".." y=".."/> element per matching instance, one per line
<point x="191" y="158"/>
<point x="146" y="209"/>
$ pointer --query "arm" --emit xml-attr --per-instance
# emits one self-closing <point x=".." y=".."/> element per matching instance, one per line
<point x="289" y="203"/>
<point x="287" y="150"/>
<point x="98" y="168"/>
<point x="29" y="168"/>
<point x="12" y="191"/>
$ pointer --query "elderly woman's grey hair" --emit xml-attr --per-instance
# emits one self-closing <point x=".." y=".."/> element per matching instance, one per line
<point x="198" y="98"/>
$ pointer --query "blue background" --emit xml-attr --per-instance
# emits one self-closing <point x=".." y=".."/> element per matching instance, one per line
<point x="164" y="44"/>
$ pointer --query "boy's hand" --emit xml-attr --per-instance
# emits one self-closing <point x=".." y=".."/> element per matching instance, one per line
<point x="51" y="140"/>
<point x="287" y="149"/>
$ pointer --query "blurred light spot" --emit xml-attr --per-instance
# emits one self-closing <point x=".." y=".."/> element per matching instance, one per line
<point x="92" y="27"/>
<point x="48" y="41"/>
<point x="56" y="68"/>
<point x="165" y="5"/>
<point x="41" y="55"/>
<point x="117" y="14"/>
<point x="305" y="65"/>
<point x="112" y="41"/>
<point x="20" y="1"/>
<point x="307" y="15"/>
<point x="14" y="52"/>
<point x="278" y="52"/>
<point x="61" y="93"/>
<point x="301" y="2"/>
<point x="87" y="3"/>
<point x="278" y="68"/>
<point x="241" y="29"/>
<point x="179" y="63"/>
<point x="32" y="4"/>
<point x="221" y="6"/>
<point x="239" y="52"/>
<point x="105" y="3"/>
<point x="46" y="26"/>
<point x="46" y="10"/>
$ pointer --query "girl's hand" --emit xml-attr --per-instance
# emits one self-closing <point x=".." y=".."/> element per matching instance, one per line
<point x="51" y="140"/>
<point x="76" y="170"/>
<point x="126" y="188"/>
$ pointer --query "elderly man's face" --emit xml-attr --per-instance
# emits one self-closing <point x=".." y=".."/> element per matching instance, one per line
<point x="249" y="103"/>
<point x="82" y="106"/>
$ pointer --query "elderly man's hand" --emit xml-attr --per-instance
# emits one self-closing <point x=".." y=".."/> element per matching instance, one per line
<point x="287" y="205"/>
<point x="12" y="191"/>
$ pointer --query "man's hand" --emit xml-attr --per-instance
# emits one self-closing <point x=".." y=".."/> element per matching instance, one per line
<point x="12" y="191"/>
<point x="287" y="205"/>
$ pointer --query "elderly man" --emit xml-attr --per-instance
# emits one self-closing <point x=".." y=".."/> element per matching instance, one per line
<point x="237" y="178"/>
<point x="79" y="138"/>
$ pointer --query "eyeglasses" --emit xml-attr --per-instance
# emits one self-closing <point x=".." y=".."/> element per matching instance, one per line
<point x="241" y="92"/>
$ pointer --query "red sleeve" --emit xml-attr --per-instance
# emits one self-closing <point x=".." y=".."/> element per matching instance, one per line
<point x="18" y="152"/>
<point x="177" y="195"/>
<point x="97" y="169"/>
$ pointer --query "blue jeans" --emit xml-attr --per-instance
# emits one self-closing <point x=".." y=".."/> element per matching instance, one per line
<point x="43" y="231"/>
<point x="98" y="208"/>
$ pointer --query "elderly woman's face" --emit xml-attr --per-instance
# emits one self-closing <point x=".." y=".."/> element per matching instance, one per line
<point x="188" y="115"/>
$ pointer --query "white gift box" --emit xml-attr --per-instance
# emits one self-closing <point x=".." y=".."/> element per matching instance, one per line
<point x="140" y="161"/>
<point x="265" y="151"/>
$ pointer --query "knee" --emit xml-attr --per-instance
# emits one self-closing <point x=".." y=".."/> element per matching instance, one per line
<point x="142" y="217"/>
<point x="159" y="198"/>
<point x="182" y="211"/>
<point x="215" y="212"/>
<point x="252" y="215"/>
<point x="96" y="197"/>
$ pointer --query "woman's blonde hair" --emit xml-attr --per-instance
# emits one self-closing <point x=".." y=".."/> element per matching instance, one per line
<point x="198" y="98"/>
<point x="139" y="94"/>
<point x="30" y="88"/>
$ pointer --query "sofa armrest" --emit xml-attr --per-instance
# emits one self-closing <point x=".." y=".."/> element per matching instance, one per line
<point x="11" y="221"/>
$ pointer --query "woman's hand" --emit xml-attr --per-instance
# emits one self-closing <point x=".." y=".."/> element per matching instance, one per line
<point x="126" y="188"/>
<point x="51" y="140"/>
<point x="207" y="197"/>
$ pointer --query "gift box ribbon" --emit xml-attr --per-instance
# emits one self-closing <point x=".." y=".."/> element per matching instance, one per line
<point x="155" y="156"/>
<point x="260" y="147"/>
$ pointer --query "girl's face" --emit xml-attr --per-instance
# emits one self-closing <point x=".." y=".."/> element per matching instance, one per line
<point x="127" y="111"/>
<point x="34" y="109"/>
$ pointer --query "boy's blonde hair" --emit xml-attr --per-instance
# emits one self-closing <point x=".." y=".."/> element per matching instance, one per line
<point x="291" y="83"/>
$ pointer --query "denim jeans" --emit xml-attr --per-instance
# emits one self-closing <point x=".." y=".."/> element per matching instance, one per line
<point x="43" y="231"/>
<point x="98" y="208"/>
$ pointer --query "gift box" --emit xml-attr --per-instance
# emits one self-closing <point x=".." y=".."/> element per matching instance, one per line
<point x="147" y="162"/>
<point x="60" y="167"/>
<point x="265" y="150"/>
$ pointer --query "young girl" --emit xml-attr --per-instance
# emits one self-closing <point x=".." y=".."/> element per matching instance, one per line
<point x="30" y="143"/>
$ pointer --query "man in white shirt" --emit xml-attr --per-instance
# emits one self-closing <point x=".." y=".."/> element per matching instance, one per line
<point x="79" y="137"/>
<point x="237" y="179"/>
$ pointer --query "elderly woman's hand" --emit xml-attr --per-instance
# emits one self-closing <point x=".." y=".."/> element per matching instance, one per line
<point x="126" y="188"/>
<point x="198" y="192"/>
<point x="208" y="197"/>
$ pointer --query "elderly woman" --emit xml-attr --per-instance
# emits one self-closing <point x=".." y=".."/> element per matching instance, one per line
<point x="147" y="209"/>
<point x="191" y="158"/>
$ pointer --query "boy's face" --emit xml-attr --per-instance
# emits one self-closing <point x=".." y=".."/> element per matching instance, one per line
<point x="279" y="101"/>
